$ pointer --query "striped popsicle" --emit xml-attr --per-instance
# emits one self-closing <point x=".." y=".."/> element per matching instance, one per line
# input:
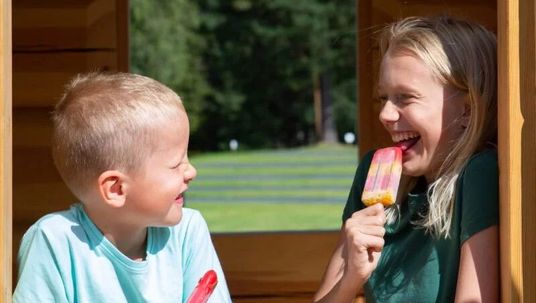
<point x="383" y="177"/>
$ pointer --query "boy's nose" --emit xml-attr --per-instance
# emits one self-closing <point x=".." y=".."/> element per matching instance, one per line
<point x="389" y="113"/>
<point x="190" y="173"/>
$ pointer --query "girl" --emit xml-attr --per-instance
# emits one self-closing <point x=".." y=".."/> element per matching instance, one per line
<point x="439" y="243"/>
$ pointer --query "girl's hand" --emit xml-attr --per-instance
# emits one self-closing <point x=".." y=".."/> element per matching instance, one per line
<point x="364" y="242"/>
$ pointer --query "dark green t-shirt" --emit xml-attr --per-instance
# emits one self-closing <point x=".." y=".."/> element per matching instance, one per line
<point x="414" y="265"/>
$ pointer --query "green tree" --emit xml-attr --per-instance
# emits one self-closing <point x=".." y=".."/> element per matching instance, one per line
<point x="250" y="70"/>
<point x="265" y="58"/>
<point x="165" y="45"/>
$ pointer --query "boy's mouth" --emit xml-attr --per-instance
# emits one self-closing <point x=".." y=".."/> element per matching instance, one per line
<point x="180" y="199"/>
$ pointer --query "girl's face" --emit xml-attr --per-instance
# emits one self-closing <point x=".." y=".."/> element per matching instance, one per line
<point x="422" y="115"/>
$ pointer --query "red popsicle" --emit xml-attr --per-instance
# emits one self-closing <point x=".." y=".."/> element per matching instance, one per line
<point x="204" y="288"/>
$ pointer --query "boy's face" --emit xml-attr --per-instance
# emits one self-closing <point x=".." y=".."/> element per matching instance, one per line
<point x="156" y="193"/>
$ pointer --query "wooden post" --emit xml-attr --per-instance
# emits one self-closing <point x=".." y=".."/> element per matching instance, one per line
<point x="517" y="143"/>
<point x="5" y="151"/>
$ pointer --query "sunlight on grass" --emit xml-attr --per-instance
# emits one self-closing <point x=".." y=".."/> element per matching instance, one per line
<point x="267" y="190"/>
<point x="238" y="217"/>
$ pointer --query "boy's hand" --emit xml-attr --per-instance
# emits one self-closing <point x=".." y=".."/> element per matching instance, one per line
<point x="364" y="242"/>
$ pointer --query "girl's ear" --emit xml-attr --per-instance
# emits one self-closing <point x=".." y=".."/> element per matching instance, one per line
<point x="112" y="188"/>
<point x="466" y="114"/>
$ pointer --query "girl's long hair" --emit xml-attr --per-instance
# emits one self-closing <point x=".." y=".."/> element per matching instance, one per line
<point x="461" y="54"/>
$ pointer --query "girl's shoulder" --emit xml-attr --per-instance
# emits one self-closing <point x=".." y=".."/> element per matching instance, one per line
<point x="485" y="159"/>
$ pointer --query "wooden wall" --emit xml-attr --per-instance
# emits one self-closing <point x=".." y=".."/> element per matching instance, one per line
<point x="5" y="152"/>
<point x="54" y="40"/>
<point x="517" y="146"/>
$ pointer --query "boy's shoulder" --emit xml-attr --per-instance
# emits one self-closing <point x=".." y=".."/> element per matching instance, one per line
<point x="190" y="222"/>
<point x="57" y="221"/>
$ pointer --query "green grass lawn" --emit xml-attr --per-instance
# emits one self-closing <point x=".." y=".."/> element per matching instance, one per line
<point x="268" y="190"/>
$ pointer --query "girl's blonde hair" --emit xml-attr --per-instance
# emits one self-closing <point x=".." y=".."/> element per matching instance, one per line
<point x="107" y="121"/>
<point x="461" y="54"/>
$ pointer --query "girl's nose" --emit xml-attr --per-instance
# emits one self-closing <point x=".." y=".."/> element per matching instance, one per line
<point x="389" y="113"/>
<point x="190" y="173"/>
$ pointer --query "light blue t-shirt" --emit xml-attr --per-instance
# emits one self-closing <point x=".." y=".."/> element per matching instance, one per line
<point x="64" y="258"/>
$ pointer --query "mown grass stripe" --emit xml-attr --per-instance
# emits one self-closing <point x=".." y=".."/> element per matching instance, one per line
<point x="262" y="187"/>
<point x="202" y="182"/>
<point x="271" y="200"/>
<point x="240" y="217"/>
<point x="268" y="193"/>
<point x="273" y="170"/>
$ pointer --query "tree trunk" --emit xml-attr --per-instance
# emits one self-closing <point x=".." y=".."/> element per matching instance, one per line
<point x="329" y="131"/>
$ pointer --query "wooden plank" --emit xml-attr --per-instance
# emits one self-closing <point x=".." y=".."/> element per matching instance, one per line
<point x="276" y="264"/>
<point x="527" y="72"/>
<point x="122" y="27"/>
<point x="32" y="127"/>
<point x="59" y="28"/>
<point x="510" y="123"/>
<point x="5" y="153"/>
<point x="275" y="267"/>
<point x="39" y="78"/>
<point x="101" y="24"/>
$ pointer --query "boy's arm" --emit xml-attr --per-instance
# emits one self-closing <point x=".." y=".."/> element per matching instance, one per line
<point x="39" y="277"/>
<point x="200" y="256"/>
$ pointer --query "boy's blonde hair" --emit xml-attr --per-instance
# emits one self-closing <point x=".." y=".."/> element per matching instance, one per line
<point x="106" y="121"/>
<point x="461" y="54"/>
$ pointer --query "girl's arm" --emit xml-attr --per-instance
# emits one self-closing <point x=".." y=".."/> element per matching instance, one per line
<point x="355" y="257"/>
<point x="478" y="276"/>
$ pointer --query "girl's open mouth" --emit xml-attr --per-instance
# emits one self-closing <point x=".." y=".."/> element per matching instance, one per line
<point x="407" y="144"/>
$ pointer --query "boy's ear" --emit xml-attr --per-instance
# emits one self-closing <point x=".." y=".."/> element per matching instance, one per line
<point x="112" y="188"/>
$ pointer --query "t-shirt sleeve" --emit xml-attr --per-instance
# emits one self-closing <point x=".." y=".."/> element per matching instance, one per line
<point x="200" y="256"/>
<point x="480" y="194"/>
<point x="354" y="203"/>
<point x="39" y="276"/>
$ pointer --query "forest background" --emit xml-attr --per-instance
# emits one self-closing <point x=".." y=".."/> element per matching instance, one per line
<point x="267" y="73"/>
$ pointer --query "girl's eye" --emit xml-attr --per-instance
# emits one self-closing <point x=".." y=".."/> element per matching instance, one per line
<point x="382" y="99"/>
<point x="403" y="97"/>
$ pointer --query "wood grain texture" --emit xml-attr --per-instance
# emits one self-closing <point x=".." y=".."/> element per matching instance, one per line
<point x="527" y="57"/>
<point x="5" y="153"/>
<point x="510" y="123"/>
<point x="276" y="266"/>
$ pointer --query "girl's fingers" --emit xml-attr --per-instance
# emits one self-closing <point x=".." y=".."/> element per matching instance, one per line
<point x="371" y="230"/>
<point x="375" y="209"/>
<point x="373" y="243"/>
<point x="377" y="220"/>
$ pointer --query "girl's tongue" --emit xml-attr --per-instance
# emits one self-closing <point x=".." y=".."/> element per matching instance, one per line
<point x="407" y="144"/>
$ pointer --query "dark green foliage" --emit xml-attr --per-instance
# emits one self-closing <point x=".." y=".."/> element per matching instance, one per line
<point x="246" y="68"/>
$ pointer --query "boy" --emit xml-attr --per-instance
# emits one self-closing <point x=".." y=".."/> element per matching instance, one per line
<point x="120" y="144"/>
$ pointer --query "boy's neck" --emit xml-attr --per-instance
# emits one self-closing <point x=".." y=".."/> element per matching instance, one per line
<point x="130" y="240"/>
<point x="131" y="244"/>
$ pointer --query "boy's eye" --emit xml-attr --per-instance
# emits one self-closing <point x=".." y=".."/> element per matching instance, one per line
<point x="177" y="165"/>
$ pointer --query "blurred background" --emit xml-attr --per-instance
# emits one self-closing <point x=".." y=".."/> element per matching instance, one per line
<point x="270" y="89"/>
